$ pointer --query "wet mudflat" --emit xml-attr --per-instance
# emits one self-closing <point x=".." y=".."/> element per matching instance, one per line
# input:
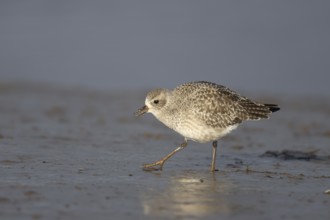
<point x="77" y="154"/>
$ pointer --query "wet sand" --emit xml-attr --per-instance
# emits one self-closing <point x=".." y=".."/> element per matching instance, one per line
<point x="77" y="154"/>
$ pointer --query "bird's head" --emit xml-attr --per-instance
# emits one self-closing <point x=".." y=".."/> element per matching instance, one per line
<point x="155" y="102"/>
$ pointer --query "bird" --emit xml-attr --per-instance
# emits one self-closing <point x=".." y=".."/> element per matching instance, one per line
<point x="202" y="112"/>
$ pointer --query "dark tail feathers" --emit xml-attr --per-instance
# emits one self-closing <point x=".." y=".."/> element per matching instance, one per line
<point x="272" y="107"/>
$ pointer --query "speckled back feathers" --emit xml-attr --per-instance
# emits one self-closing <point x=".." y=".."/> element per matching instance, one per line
<point x="219" y="106"/>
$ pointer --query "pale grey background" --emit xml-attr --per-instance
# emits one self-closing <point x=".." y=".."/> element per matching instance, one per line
<point x="275" y="46"/>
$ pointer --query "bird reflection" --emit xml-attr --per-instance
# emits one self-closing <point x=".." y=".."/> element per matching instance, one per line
<point x="188" y="196"/>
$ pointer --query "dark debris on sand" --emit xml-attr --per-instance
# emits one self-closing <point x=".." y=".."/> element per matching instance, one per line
<point x="295" y="155"/>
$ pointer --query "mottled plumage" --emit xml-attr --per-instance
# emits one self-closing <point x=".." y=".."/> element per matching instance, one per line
<point x="203" y="111"/>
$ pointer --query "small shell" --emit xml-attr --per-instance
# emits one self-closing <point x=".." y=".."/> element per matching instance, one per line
<point x="327" y="191"/>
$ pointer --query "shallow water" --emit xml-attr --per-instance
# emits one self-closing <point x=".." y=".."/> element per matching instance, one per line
<point x="73" y="153"/>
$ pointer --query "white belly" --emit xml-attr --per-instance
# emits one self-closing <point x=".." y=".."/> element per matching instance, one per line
<point x="203" y="134"/>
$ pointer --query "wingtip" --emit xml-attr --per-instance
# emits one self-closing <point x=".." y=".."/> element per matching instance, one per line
<point x="273" y="107"/>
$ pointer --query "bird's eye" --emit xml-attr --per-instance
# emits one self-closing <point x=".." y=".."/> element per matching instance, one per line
<point x="156" y="101"/>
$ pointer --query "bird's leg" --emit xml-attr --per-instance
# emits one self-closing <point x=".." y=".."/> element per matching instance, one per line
<point x="160" y="163"/>
<point x="214" y="154"/>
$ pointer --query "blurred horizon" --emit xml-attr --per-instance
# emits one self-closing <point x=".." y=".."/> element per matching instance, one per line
<point x="257" y="46"/>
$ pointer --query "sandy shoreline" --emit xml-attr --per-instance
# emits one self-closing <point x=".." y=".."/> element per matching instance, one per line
<point x="70" y="153"/>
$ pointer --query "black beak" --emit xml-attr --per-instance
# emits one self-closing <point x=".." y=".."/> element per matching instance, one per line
<point x="141" y="111"/>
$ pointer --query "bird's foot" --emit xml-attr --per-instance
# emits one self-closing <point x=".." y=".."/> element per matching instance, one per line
<point x="157" y="166"/>
<point x="214" y="170"/>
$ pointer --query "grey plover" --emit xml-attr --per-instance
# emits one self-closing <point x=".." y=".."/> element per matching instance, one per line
<point x="202" y="112"/>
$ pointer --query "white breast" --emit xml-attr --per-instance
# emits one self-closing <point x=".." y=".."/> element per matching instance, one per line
<point x="202" y="133"/>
